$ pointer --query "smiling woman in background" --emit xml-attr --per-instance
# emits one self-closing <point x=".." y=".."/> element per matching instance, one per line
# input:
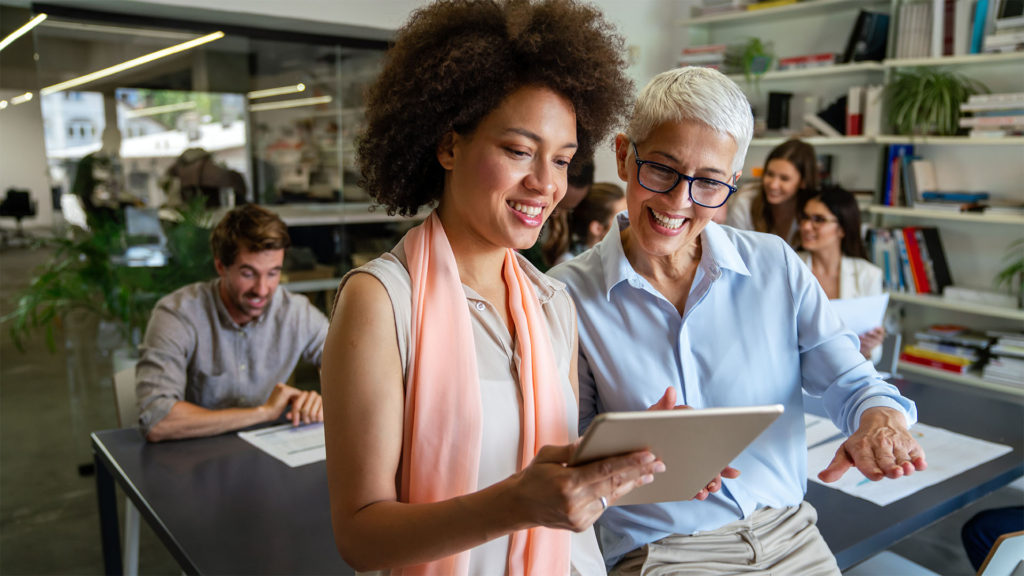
<point x="449" y="370"/>
<point x="790" y="174"/>
<point x="833" y="250"/>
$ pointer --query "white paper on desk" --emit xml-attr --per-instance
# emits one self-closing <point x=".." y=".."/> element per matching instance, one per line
<point x="819" y="429"/>
<point x="293" y="445"/>
<point x="861" y="314"/>
<point x="948" y="454"/>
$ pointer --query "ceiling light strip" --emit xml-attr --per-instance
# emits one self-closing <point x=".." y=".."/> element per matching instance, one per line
<point x="294" y="103"/>
<point x="154" y="110"/>
<point x="291" y="89"/>
<point x="131" y="63"/>
<point x="21" y="99"/>
<point x="21" y="31"/>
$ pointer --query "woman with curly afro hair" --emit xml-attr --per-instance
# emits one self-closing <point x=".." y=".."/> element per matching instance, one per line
<point x="449" y="371"/>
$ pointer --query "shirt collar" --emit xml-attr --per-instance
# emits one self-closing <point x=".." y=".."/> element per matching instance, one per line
<point x="717" y="252"/>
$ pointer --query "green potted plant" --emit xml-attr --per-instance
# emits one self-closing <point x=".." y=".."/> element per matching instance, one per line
<point x="1013" y="274"/>
<point x="926" y="101"/>
<point x="82" y="275"/>
<point x="754" y="58"/>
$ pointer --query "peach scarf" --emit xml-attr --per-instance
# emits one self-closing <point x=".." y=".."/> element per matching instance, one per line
<point x="442" y="434"/>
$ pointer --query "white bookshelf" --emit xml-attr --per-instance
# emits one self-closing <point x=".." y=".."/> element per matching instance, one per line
<point x="816" y="72"/>
<point x="970" y="379"/>
<point x="788" y="11"/>
<point x="934" y="301"/>
<point x="950" y="140"/>
<point x="963" y="60"/>
<point x="926" y="214"/>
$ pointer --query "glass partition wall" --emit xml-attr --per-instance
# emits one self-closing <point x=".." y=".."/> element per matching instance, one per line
<point x="193" y="111"/>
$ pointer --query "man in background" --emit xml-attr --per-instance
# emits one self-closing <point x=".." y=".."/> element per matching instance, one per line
<point x="216" y="354"/>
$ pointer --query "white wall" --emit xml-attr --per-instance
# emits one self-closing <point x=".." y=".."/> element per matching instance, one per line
<point x="23" y="157"/>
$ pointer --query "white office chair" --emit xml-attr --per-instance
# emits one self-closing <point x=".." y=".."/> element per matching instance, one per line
<point x="128" y="415"/>
<point x="1006" y="558"/>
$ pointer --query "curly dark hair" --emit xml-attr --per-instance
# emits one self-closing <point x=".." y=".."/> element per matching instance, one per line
<point x="455" y="61"/>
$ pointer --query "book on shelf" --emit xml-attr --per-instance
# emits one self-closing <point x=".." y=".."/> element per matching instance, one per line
<point x="937" y="364"/>
<point x="868" y="37"/>
<point x="824" y="128"/>
<point x="991" y="102"/>
<point x="806" y="61"/>
<point x="963" y="359"/>
<point x="765" y="4"/>
<point x="954" y="335"/>
<point x="855" y="110"/>
<point x="912" y="259"/>
<point x="1004" y="121"/>
<point x="965" y="196"/>
<point x="946" y="206"/>
<point x="963" y="351"/>
<point x="922" y="174"/>
<point x="1004" y="370"/>
<point x="962" y="25"/>
<point x="892" y="190"/>
<point x="1009" y="40"/>
<point x="874" y="118"/>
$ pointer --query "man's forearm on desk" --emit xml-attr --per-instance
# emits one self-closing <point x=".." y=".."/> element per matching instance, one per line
<point x="187" y="420"/>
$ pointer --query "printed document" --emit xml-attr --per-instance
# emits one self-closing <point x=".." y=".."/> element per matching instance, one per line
<point x="293" y="445"/>
<point x="861" y="314"/>
<point x="948" y="454"/>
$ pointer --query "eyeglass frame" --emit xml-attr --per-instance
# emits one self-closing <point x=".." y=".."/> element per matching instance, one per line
<point x="679" y="177"/>
<point x="816" y="220"/>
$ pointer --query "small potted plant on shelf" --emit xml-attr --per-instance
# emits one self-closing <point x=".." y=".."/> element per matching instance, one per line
<point x="753" y="58"/>
<point x="926" y="101"/>
<point x="83" y="275"/>
<point x="1013" y="274"/>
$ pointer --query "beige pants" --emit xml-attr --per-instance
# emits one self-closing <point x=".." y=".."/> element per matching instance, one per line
<point x="772" y="542"/>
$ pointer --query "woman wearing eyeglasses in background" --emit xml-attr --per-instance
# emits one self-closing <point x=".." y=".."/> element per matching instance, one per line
<point x="790" y="175"/>
<point x="833" y="250"/>
<point x="592" y="218"/>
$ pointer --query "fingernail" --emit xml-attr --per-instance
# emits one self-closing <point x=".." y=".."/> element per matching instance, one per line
<point x="646" y="479"/>
<point x="647" y="458"/>
<point x="659" y="467"/>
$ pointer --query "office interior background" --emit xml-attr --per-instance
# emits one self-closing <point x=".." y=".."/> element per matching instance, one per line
<point x="275" y="104"/>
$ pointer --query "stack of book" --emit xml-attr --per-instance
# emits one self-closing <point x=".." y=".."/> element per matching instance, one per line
<point x="707" y="55"/>
<point x="1006" y="361"/>
<point x="947" y="347"/>
<point x="994" y="115"/>
<point x="1007" y="32"/>
<point x="912" y="259"/>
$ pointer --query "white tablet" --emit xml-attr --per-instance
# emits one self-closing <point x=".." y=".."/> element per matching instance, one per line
<point x="695" y="445"/>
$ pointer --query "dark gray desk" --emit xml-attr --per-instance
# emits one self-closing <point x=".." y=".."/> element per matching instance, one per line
<point x="220" y="505"/>
<point x="223" y="507"/>
<point x="856" y="529"/>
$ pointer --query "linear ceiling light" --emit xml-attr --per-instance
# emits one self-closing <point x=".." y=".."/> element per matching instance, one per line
<point x="107" y="29"/>
<point x="131" y="63"/>
<point x="294" y="103"/>
<point x="291" y="89"/>
<point x="21" y="99"/>
<point x="3" y="104"/>
<point x="154" y="110"/>
<point x="21" y="31"/>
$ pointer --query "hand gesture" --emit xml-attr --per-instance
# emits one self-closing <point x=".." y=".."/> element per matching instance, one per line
<point x="882" y="447"/>
<point x="555" y="495"/>
<point x="870" y="340"/>
<point x="668" y="402"/>
<point x="306" y="405"/>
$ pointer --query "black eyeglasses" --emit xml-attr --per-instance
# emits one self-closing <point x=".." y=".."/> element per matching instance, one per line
<point x="662" y="179"/>
<point x="816" y="220"/>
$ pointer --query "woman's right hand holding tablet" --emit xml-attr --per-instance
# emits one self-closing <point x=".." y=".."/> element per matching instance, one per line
<point x="553" y="494"/>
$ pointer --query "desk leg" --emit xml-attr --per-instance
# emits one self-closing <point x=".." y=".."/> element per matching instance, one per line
<point x="109" y="532"/>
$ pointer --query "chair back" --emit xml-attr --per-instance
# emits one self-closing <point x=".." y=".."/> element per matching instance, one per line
<point x="1006" y="558"/>
<point x="125" y="401"/>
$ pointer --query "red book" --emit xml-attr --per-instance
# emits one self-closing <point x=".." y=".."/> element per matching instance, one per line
<point x="937" y="364"/>
<point x="916" y="263"/>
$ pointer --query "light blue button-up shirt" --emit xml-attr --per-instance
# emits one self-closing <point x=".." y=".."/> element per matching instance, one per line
<point x="756" y="329"/>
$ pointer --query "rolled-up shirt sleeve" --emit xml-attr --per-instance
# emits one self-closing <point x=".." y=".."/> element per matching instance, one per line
<point x="162" y="372"/>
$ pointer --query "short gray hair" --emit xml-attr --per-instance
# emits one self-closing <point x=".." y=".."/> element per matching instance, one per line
<point x="694" y="93"/>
